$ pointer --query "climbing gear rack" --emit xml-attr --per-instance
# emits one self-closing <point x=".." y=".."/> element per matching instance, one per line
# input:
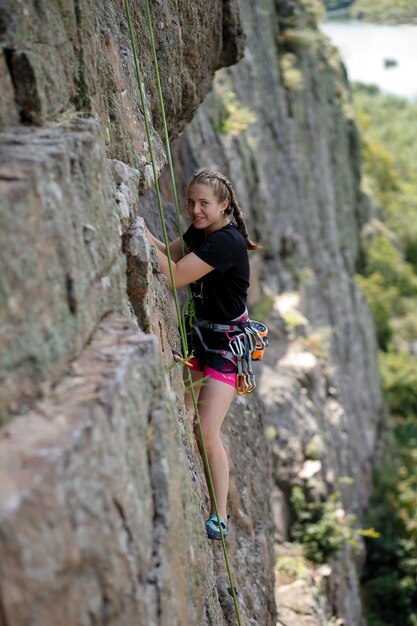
<point x="247" y="343"/>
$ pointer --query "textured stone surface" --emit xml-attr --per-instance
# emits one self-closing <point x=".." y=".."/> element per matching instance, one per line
<point x="302" y="590"/>
<point x="78" y="56"/>
<point x="147" y="296"/>
<point x="8" y="113"/>
<point x="97" y="509"/>
<point x="62" y="267"/>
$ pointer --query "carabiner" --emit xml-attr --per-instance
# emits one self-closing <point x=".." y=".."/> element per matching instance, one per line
<point x="236" y="345"/>
<point x="178" y="358"/>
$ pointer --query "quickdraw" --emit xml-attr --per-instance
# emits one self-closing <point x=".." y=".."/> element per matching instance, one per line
<point x="178" y="358"/>
<point x="244" y="347"/>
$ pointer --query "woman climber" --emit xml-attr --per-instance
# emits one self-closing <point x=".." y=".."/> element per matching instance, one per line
<point x="216" y="266"/>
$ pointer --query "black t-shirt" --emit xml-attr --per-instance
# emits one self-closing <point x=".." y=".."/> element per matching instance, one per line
<point x="220" y="295"/>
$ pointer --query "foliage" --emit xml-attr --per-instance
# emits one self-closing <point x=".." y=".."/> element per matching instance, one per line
<point x="388" y="280"/>
<point x="399" y="379"/>
<point x="323" y="528"/>
<point x="388" y="283"/>
<point x="293" y="566"/>
<point x="388" y="120"/>
<point x="270" y="432"/>
<point x="292" y="77"/>
<point x="401" y="213"/>
<point x="315" y="11"/>
<point x="384" y="258"/>
<point x="405" y="327"/>
<point x="379" y="168"/>
<point x="300" y="38"/>
<point x="389" y="260"/>
<point x="238" y="116"/>
<point x="400" y="11"/>
<point x="389" y="160"/>
<point x="390" y="579"/>
<point x="381" y="301"/>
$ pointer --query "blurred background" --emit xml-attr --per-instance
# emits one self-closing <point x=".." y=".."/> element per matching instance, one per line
<point x="378" y="43"/>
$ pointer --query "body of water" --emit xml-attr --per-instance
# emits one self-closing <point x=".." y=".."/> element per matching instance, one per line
<point x="365" y="48"/>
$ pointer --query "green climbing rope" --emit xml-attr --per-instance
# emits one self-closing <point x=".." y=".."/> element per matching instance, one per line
<point x="180" y="314"/>
<point x="164" y="122"/>
<point x="190" y="303"/>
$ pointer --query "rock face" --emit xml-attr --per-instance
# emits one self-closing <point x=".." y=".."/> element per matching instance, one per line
<point x="57" y="58"/>
<point x="62" y="270"/>
<point x="91" y="488"/>
<point x="102" y="494"/>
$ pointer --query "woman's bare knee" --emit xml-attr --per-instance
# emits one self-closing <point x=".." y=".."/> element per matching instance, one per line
<point x="212" y="440"/>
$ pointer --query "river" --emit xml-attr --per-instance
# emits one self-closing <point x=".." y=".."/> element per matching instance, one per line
<point x="366" y="47"/>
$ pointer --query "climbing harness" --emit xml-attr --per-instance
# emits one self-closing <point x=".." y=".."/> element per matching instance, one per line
<point x="247" y="343"/>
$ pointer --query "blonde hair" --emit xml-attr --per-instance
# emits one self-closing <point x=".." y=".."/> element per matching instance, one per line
<point x="223" y="190"/>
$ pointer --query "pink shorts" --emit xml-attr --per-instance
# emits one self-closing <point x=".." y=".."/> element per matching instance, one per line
<point x="225" y="377"/>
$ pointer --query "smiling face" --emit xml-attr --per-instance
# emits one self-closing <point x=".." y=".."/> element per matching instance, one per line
<point x="205" y="210"/>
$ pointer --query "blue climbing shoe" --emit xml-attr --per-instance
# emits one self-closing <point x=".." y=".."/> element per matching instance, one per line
<point x="212" y="527"/>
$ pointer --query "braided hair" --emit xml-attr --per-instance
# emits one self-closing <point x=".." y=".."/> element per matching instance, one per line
<point x="223" y="190"/>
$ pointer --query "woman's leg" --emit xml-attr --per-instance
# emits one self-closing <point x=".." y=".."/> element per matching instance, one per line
<point x="214" y="402"/>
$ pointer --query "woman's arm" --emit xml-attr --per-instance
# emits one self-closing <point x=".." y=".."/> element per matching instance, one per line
<point x="175" y="250"/>
<point x="175" y="247"/>
<point x="158" y="244"/>
<point x="185" y="271"/>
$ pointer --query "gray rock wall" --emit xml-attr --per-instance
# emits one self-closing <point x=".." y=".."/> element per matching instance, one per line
<point x="102" y="495"/>
<point x="58" y="58"/>
<point x="92" y="483"/>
